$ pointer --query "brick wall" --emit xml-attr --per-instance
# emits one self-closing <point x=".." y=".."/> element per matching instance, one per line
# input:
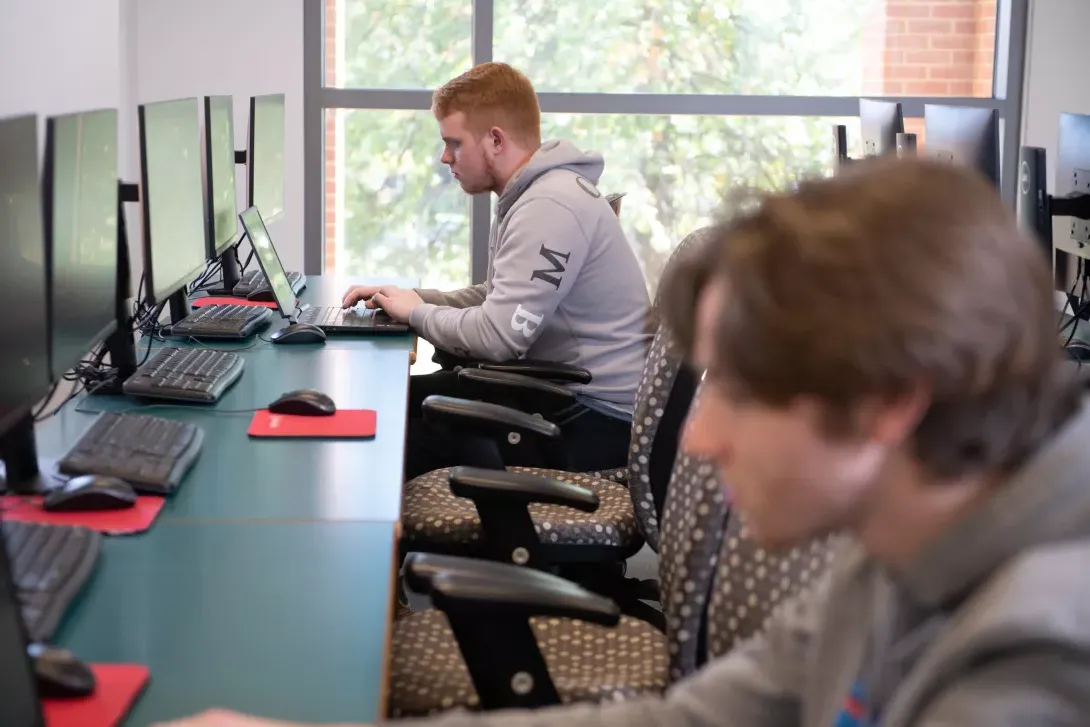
<point x="929" y="48"/>
<point x="331" y="151"/>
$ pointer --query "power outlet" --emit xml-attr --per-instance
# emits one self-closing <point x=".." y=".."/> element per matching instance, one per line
<point x="1080" y="229"/>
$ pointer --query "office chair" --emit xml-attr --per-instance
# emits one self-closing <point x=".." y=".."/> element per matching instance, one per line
<point x="504" y="618"/>
<point x="513" y="637"/>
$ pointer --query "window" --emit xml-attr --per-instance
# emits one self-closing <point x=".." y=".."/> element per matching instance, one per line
<point x="685" y="99"/>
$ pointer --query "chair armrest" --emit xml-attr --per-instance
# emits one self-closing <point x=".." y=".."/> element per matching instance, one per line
<point x="540" y="370"/>
<point x="494" y="436"/>
<point x="519" y="391"/>
<point x="482" y="485"/>
<point x="489" y="606"/>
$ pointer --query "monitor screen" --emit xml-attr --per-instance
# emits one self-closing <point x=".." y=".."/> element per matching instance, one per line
<point x="18" y="693"/>
<point x="266" y="155"/>
<point x="880" y="123"/>
<point x="964" y="135"/>
<point x="80" y="195"/>
<point x="269" y="260"/>
<point x="24" y="330"/>
<point x="218" y="171"/>
<point x="170" y="195"/>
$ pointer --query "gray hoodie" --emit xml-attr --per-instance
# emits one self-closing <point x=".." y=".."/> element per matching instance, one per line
<point x="989" y="626"/>
<point x="563" y="283"/>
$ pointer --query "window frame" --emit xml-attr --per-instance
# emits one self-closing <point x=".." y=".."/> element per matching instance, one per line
<point x="1007" y="81"/>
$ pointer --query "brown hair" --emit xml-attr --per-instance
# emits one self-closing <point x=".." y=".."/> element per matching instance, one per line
<point x="891" y="275"/>
<point x="493" y="94"/>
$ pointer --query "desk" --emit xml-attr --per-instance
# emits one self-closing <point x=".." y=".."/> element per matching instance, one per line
<point x="265" y="585"/>
<point x="285" y="620"/>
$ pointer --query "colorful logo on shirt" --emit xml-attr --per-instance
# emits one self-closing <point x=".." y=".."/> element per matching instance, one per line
<point x="854" y="711"/>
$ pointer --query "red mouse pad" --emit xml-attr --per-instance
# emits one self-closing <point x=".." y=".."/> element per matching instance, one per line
<point x="221" y="300"/>
<point x="117" y="687"/>
<point x="131" y="520"/>
<point x="344" y="424"/>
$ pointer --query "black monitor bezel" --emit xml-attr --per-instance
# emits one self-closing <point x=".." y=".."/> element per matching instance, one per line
<point x="145" y="209"/>
<point x="48" y="171"/>
<point x="212" y="249"/>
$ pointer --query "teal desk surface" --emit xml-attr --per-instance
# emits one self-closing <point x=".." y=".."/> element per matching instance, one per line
<point x="285" y="620"/>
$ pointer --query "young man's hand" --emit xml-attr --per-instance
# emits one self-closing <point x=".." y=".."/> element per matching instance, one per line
<point x="224" y="718"/>
<point x="363" y="292"/>
<point x="397" y="302"/>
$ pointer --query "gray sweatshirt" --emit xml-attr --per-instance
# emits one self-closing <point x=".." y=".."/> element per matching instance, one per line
<point x="990" y="626"/>
<point x="563" y="283"/>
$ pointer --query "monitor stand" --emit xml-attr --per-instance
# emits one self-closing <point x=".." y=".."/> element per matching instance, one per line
<point x="179" y="306"/>
<point x="19" y="456"/>
<point x="232" y="275"/>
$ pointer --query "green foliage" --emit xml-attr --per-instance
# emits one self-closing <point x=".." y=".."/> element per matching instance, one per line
<point x="405" y="215"/>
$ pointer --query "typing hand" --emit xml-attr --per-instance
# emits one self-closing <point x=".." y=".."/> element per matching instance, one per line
<point x="397" y="302"/>
<point x="365" y="293"/>
<point x="223" y="718"/>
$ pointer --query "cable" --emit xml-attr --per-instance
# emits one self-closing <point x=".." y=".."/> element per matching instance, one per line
<point x="37" y="412"/>
<point x="75" y="392"/>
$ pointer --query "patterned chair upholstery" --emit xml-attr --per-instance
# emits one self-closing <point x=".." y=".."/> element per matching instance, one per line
<point x="434" y="520"/>
<point x="588" y="662"/>
<point x="751" y="584"/>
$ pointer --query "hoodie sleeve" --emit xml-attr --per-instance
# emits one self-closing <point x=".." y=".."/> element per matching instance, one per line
<point x="758" y="685"/>
<point x="538" y="259"/>
<point x="461" y="298"/>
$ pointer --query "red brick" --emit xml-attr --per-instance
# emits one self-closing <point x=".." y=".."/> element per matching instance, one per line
<point x="908" y="42"/>
<point x="907" y="10"/>
<point x="966" y="27"/>
<point x="953" y="42"/>
<point x="907" y="72"/>
<point x="931" y="27"/>
<point x="893" y="88"/>
<point x="951" y="73"/>
<point x="892" y="57"/>
<point x="954" y="11"/>
<point x="961" y="88"/>
<point x="930" y="57"/>
<point x="895" y="26"/>
<point x="927" y="88"/>
<point x="963" y="57"/>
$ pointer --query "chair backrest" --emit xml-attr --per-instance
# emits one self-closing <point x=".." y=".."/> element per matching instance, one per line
<point x="662" y="402"/>
<point x="694" y="522"/>
<point x="750" y="584"/>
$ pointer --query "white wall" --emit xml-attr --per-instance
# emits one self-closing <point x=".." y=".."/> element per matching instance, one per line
<point x="181" y="48"/>
<point x="59" y="57"/>
<point x="1055" y="80"/>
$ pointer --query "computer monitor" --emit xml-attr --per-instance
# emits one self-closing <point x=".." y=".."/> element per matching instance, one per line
<point x="170" y="197"/>
<point x="964" y="135"/>
<point x="218" y="175"/>
<point x="19" y="705"/>
<point x="80" y="200"/>
<point x="880" y="122"/>
<point x="1073" y="174"/>
<point x="265" y="155"/>
<point x="24" y="322"/>
<point x="269" y="260"/>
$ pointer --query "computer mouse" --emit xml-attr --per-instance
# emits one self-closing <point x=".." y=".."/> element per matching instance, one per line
<point x="305" y="402"/>
<point x="298" y="333"/>
<point x="90" y="492"/>
<point x="60" y="675"/>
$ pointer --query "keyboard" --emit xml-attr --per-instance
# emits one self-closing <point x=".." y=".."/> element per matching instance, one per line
<point x="186" y="374"/>
<point x="255" y="281"/>
<point x="222" y="321"/>
<point x="49" y="564"/>
<point x="150" y="453"/>
<point x="352" y="320"/>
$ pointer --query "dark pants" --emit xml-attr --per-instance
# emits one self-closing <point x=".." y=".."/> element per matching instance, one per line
<point x="592" y="441"/>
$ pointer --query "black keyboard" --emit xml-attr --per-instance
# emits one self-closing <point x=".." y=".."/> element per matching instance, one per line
<point x="150" y="453"/>
<point x="188" y="374"/>
<point x="255" y="281"/>
<point x="222" y="321"/>
<point x="49" y="564"/>
<point x="336" y="319"/>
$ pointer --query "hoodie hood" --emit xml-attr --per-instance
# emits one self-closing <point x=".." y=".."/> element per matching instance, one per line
<point x="1046" y="501"/>
<point x="553" y="154"/>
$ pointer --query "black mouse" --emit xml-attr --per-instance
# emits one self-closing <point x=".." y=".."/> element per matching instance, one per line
<point x="305" y="402"/>
<point x="90" y="492"/>
<point x="298" y="333"/>
<point x="60" y="675"/>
